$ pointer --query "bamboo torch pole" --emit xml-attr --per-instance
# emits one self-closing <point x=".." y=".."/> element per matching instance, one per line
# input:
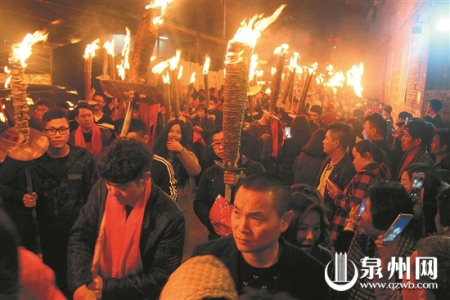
<point x="237" y="64"/>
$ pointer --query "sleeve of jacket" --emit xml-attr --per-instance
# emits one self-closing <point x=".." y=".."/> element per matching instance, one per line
<point x="358" y="187"/>
<point x="163" y="261"/>
<point x="190" y="162"/>
<point x="82" y="239"/>
<point x="11" y="190"/>
<point x="202" y="202"/>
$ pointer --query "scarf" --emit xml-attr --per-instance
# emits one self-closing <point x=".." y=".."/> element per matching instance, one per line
<point x="121" y="255"/>
<point x="95" y="146"/>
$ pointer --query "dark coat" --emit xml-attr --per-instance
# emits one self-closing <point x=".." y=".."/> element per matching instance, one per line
<point x="421" y="157"/>
<point x="211" y="185"/>
<point x="341" y="174"/>
<point x="302" y="275"/>
<point x="161" y="246"/>
<point x="59" y="198"/>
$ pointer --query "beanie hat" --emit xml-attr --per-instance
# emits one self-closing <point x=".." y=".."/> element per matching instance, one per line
<point x="198" y="278"/>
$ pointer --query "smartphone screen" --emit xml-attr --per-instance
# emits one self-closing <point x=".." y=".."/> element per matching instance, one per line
<point x="397" y="227"/>
<point x="362" y="207"/>
<point x="417" y="184"/>
<point x="287" y="132"/>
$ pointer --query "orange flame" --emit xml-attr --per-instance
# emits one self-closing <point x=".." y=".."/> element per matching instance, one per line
<point x="250" y="33"/>
<point x="206" y="65"/>
<point x="162" y="4"/>
<point x="336" y="81"/>
<point x="281" y="50"/>
<point x="125" y="64"/>
<point x="253" y="65"/>
<point x="89" y="51"/>
<point x="22" y="51"/>
<point x="180" y="73"/>
<point x="354" y="78"/>
<point x="166" y="78"/>
<point x="192" y="81"/>
<point x="160" y="67"/>
<point x="109" y="46"/>
<point x="8" y="80"/>
<point x="293" y="61"/>
<point x="173" y="62"/>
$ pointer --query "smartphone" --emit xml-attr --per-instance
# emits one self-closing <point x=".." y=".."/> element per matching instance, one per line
<point x="417" y="184"/>
<point x="287" y="132"/>
<point x="397" y="227"/>
<point x="362" y="207"/>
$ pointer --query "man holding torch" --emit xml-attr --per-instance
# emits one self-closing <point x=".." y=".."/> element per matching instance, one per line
<point x="138" y="228"/>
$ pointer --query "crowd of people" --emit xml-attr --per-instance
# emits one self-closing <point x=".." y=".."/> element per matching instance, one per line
<point x="106" y="215"/>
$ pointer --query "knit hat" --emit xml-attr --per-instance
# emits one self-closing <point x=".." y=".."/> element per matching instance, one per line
<point x="200" y="277"/>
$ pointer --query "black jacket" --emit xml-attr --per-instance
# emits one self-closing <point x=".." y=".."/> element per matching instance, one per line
<point x="341" y="174"/>
<point x="61" y="193"/>
<point x="302" y="276"/>
<point x="161" y="246"/>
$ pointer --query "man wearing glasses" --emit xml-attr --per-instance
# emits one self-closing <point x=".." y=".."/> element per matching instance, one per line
<point x="61" y="180"/>
<point x="213" y="180"/>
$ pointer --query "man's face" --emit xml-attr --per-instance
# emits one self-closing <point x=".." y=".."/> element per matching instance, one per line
<point x="41" y="110"/>
<point x="408" y="143"/>
<point x="429" y="109"/>
<point x="368" y="131"/>
<point x="217" y="145"/>
<point x="57" y="140"/>
<point x="366" y="222"/>
<point x="85" y="118"/>
<point x="314" y="117"/>
<point x="436" y="146"/>
<point x="255" y="222"/>
<point x="126" y="193"/>
<point x="328" y="143"/>
<point x="100" y="102"/>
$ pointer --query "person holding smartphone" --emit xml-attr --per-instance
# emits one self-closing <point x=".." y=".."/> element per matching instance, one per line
<point x="370" y="165"/>
<point x="385" y="201"/>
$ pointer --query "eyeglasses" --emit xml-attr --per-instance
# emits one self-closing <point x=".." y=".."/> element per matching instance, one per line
<point x="217" y="144"/>
<point x="60" y="130"/>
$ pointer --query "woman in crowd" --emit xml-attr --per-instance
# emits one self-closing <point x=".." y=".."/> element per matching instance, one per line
<point x="309" y="227"/>
<point x="175" y="144"/>
<point x="370" y="165"/>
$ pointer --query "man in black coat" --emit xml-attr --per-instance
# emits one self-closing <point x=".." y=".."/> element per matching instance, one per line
<point x="256" y="255"/>
<point x="143" y="231"/>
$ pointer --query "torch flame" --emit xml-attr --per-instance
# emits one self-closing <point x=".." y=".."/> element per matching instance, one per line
<point x="89" y="51"/>
<point x="22" y="51"/>
<point x="192" y="81"/>
<point x="253" y="65"/>
<point x="354" y="78"/>
<point x="180" y="73"/>
<point x="173" y="62"/>
<point x="166" y="78"/>
<point x="159" y="68"/>
<point x="293" y="61"/>
<point x="206" y="65"/>
<point x="281" y="50"/>
<point x="335" y="81"/>
<point x="162" y="4"/>
<point x="273" y="70"/>
<point x="249" y="33"/>
<point x="125" y="64"/>
<point x="8" y="80"/>
<point x="109" y="46"/>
